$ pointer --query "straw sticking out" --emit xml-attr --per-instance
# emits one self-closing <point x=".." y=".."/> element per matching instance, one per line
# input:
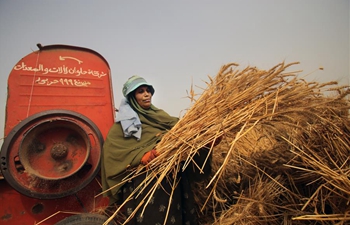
<point x="284" y="150"/>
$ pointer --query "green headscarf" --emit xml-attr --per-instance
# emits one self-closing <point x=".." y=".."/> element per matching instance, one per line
<point x="120" y="153"/>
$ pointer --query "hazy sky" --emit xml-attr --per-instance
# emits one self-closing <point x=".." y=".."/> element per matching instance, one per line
<point x="176" y="43"/>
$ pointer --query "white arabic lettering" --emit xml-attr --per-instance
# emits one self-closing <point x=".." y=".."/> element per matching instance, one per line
<point x="62" y="81"/>
<point x="60" y="70"/>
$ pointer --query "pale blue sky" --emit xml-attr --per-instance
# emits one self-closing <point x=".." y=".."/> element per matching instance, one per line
<point x="175" y="43"/>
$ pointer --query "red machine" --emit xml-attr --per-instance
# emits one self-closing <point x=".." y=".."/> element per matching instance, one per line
<point x="58" y="112"/>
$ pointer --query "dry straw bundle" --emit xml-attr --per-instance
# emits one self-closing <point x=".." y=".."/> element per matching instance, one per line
<point x="284" y="154"/>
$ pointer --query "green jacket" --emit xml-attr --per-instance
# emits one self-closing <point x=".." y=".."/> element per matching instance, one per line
<point x="120" y="153"/>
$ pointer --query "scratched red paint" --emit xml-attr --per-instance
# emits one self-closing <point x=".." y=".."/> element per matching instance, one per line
<point x="56" y="77"/>
<point x="61" y="77"/>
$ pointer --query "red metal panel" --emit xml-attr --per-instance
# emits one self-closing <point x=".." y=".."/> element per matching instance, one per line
<point x="56" y="77"/>
<point x="61" y="77"/>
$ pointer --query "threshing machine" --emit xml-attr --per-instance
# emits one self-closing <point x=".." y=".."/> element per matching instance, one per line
<point x="58" y="112"/>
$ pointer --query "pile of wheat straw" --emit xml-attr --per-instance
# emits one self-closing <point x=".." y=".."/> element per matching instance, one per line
<point x="284" y="154"/>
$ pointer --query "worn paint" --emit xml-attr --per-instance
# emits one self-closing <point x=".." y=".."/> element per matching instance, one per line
<point x="54" y="78"/>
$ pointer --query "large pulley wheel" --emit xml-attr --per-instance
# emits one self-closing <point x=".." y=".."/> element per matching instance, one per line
<point x="52" y="154"/>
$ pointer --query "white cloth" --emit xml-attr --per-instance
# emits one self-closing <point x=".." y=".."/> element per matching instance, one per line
<point x="129" y="120"/>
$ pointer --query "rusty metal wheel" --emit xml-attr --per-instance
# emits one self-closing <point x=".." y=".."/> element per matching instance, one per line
<point x="52" y="154"/>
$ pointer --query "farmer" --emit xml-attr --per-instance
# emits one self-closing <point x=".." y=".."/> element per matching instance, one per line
<point x="130" y="142"/>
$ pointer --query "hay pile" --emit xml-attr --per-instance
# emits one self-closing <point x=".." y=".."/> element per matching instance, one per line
<point x="284" y="154"/>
